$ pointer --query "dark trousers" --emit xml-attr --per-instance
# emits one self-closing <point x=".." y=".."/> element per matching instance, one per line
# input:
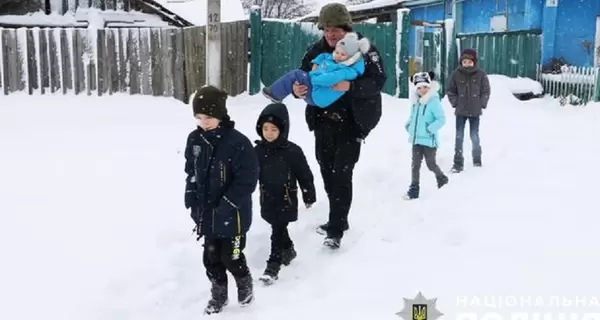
<point x="418" y="153"/>
<point x="222" y="255"/>
<point x="461" y="122"/>
<point x="280" y="242"/>
<point x="337" y="152"/>
<point x="282" y="87"/>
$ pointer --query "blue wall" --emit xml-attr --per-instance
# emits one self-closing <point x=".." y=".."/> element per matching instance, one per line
<point x="430" y="14"/>
<point x="565" y="29"/>
<point x="522" y="14"/>
<point x="575" y="24"/>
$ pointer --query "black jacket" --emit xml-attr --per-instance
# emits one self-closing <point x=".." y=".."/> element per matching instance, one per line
<point x="222" y="174"/>
<point x="282" y="165"/>
<point x="360" y="107"/>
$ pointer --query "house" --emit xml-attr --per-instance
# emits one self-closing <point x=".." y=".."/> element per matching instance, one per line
<point x="570" y="29"/>
<point x="194" y="11"/>
<point x="87" y="13"/>
<point x="114" y="13"/>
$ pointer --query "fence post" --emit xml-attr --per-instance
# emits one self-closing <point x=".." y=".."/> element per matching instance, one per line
<point x="597" y="87"/>
<point x="255" y="49"/>
<point x="402" y="27"/>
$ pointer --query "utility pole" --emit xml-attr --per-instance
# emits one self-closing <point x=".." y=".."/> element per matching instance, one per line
<point x="213" y="43"/>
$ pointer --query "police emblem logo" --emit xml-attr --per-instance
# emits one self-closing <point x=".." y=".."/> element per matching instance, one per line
<point x="374" y="56"/>
<point x="419" y="308"/>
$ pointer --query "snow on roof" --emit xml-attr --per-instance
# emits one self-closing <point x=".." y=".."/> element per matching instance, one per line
<point x="375" y="4"/>
<point x="85" y="17"/>
<point x="194" y="11"/>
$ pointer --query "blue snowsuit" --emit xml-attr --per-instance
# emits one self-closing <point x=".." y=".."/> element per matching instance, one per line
<point x="319" y="80"/>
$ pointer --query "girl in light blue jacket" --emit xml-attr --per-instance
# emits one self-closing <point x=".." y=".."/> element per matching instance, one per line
<point x="426" y="119"/>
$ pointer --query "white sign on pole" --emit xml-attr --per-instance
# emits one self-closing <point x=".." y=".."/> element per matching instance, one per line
<point x="213" y="43"/>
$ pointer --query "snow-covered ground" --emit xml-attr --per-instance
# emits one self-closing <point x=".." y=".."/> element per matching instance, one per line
<point x="92" y="223"/>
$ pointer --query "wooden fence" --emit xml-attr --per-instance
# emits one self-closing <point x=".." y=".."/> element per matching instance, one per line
<point x="573" y="85"/>
<point x="149" y="61"/>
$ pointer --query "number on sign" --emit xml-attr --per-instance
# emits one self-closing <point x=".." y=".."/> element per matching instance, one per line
<point x="213" y="17"/>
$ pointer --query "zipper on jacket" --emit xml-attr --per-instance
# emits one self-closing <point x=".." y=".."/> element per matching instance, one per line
<point x="416" y="126"/>
<point x="239" y="222"/>
<point x="287" y="194"/>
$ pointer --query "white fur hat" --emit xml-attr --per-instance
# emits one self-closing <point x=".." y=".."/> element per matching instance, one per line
<point x="351" y="45"/>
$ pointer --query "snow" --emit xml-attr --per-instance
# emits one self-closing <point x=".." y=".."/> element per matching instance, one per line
<point x="93" y="224"/>
<point x="95" y="17"/>
<point x="194" y="11"/>
<point x="519" y="85"/>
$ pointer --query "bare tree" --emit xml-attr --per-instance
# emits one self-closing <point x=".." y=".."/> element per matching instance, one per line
<point x="19" y="7"/>
<point x="280" y="9"/>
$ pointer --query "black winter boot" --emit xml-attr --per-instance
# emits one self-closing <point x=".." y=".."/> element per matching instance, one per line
<point x="442" y="181"/>
<point x="413" y="192"/>
<point x="271" y="273"/>
<point x="218" y="299"/>
<point x="288" y="255"/>
<point x="245" y="290"/>
<point x="332" y="242"/>
<point x="477" y="161"/>
<point x="322" y="229"/>
<point x="266" y="91"/>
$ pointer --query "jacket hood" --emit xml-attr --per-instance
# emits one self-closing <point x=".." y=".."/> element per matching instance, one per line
<point x="433" y="92"/>
<point x="278" y="111"/>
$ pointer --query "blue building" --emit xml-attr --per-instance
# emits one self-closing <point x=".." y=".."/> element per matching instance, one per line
<point x="570" y="28"/>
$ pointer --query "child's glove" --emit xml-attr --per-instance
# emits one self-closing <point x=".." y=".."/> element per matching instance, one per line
<point x="190" y="199"/>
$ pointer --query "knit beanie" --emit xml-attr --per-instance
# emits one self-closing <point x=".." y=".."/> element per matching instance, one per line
<point x="422" y="79"/>
<point x="210" y="101"/>
<point x="271" y="119"/>
<point x="469" y="54"/>
<point x="334" y="15"/>
<point x="350" y="44"/>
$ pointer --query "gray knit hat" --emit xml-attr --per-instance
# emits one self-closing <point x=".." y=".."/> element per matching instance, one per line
<point x="334" y="15"/>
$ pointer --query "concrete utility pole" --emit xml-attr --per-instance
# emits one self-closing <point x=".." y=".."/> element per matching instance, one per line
<point x="213" y="43"/>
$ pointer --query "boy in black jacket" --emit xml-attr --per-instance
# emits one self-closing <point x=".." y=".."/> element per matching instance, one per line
<point x="222" y="173"/>
<point x="282" y="163"/>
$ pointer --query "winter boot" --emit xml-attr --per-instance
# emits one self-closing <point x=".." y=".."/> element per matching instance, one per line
<point x="245" y="290"/>
<point x="442" y="181"/>
<point x="322" y="229"/>
<point x="218" y="299"/>
<point x="477" y="161"/>
<point x="458" y="164"/>
<point x="266" y="91"/>
<point x="413" y="192"/>
<point x="332" y="242"/>
<point x="271" y="273"/>
<point x="288" y="255"/>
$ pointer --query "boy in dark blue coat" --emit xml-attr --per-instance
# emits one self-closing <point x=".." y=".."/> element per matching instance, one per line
<point x="282" y="165"/>
<point x="222" y="173"/>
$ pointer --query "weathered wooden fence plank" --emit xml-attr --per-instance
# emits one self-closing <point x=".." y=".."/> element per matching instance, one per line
<point x="101" y="64"/>
<point x="66" y="59"/>
<point x="113" y="47"/>
<point x="144" y="56"/>
<point x="135" y="65"/>
<point x="179" y="76"/>
<point x="122" y="39"/>
<point x="79" y="70"/>
<point x="32" y="80"/>
<point x="167" y="61"/>
<point x="156" y="59"/>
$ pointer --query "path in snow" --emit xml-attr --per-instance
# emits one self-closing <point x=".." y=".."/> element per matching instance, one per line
<point x="105" y="235"/>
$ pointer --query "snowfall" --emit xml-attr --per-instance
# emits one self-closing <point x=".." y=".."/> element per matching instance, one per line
<point x="92" y="222"/>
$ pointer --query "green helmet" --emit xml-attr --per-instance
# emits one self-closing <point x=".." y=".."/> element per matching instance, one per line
<point x="334" y="15"/>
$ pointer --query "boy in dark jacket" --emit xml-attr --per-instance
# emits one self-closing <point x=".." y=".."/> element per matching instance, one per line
<point x="282" y="164"/>
<point x="222" y="173"/>
<point x="468" y="93"/>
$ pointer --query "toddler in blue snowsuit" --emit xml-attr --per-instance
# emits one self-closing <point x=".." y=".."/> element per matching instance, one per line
<point x="345" y="63"/>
